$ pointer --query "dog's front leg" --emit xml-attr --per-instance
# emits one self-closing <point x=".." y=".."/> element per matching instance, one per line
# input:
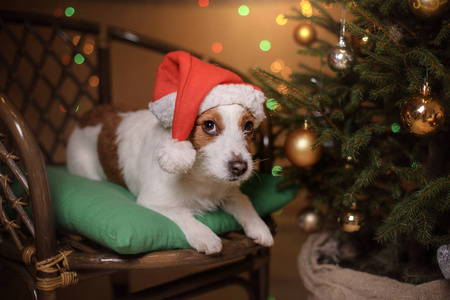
<point x="239" y="206"/>
<point x="198" y="235"/>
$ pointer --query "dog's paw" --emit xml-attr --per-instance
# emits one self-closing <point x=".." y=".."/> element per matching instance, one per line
<point x="260" y="233"/>
<point x="205" y="241"/>
<point x="176" y="157"/>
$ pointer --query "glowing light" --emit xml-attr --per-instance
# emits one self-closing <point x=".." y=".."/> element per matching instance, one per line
<point x="281" y="20"/>
<point x="272" y="104"/>
<point x="65" y="60"/>
<point x="414" y="165"/>
<point x="79" y="59"/>
<point x="78" y="107"/>
<point x="62" y="108"/>
<point x="89" y="46"/>
<point x="351" y="218"/>
<point x="277" y="65"/>
<point x="203" y="3"/>
<point x="395" y="127"/>
<point x="94" y="80"/>
<point x="217" y="47"/>
<point x="421" y="109"/>
<point x="286" y="72"/>
<point x="243" y="10"/>
<point x="70" y="11"/>
<point x="76" y="40"/>
<point x="58" y="12"/>
<point x="306" y="8"/>
<point x="265" y="45"/>
<point x="276" y="171"/>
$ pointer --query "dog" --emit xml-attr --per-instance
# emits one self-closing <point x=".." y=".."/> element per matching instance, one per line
<point x="122" y="145"/>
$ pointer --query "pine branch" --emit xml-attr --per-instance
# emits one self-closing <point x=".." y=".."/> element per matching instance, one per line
<point x="443" y="35"/>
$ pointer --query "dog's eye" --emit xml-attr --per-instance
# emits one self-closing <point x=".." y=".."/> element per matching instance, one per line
<point x="248" y="127"/>
<point x="210" y="127"/>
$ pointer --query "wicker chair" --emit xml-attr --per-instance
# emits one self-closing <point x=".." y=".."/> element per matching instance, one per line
<point x="36" y="79"/>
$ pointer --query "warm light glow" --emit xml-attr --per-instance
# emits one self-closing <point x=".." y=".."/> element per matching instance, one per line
<point x="58" y="12"/>
<point x="76" y="39"/>
<point x="65" y="60"/>
<point x="94" y="80"/>
<point x="277" y="65"/>
<point x="306" y="8"/>
<point x="421" y="109"/>
<point x="351" y="218"/>
<point x="286" y="72"/>
<point x="89" y="46"/>
<point x="243" y="10"/>
<point x="281" y="20"/>
<point x="203" y="3"/>
<point x="217" y="47"/>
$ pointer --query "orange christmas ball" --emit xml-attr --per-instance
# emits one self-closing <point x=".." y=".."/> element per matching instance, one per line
<point x="297" y="148"/>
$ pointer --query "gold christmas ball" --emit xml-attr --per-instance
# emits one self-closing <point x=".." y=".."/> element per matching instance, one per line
<point x="341" y="59"/>
<point x="428" y="8"/>
<point x="304" y="34"/>
<point x="422" y="114"/>
<point x="297" y="148"/>
<point x="350" y="220"/>
<point x="309" y="221"/>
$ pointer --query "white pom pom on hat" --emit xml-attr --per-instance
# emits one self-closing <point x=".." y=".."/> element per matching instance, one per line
<point x="185" y="87"/>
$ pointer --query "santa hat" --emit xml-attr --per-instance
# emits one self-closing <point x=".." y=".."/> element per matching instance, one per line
<point x="185" y="87"/>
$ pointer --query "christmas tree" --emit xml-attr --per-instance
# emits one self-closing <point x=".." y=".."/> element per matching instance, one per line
<point x="374" y="156"/>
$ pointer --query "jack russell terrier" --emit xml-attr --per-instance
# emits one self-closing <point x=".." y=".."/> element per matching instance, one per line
<point x="187" y="154"/>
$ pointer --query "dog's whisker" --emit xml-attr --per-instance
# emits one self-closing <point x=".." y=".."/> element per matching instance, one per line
<point x="257" y="175"/>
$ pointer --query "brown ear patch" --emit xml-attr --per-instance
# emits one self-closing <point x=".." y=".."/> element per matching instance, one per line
<point x="199" y="138"/>
<point x="108" y="115"/>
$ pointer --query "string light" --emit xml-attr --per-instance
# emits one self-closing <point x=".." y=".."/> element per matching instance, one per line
<point x="306" y="8"/>
<point x="281" y="20"/>
<point x="203" y="3"/>
<point x="217" y="47"/>
<point x="265" y="45"/>
<point x="243" y="10"/>
<point x="58" y="12"/>
<point x="79" y="59"/>
<point x="94" y="80"/>
<point x="70" y="11"/>
<point x="65" y="60"/>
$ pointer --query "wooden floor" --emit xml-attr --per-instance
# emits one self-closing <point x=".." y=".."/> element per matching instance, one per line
<point x="285" y="282"/>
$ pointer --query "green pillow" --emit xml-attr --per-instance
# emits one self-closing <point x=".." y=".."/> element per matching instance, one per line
<point x="108" y="214"/>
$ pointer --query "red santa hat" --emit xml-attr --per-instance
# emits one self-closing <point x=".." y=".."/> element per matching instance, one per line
<point x="185" y="87"/>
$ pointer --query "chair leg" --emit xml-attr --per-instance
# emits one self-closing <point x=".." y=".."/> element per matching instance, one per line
<point x="259" y="277"/>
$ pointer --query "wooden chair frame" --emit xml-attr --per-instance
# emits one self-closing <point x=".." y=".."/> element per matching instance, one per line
<point x="30" y="247"/>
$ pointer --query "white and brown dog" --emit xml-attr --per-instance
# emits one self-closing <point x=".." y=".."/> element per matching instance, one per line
<point x="173" y="174"/>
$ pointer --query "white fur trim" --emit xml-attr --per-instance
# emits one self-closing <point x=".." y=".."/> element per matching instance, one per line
<point x="164" y="109"/>
<point x="243" y="94"/>
<point x="176" y="157"/>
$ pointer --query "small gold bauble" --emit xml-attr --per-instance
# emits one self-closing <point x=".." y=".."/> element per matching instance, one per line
<point x="304" y="34"/>
<point x="350" y="220"/>
<point x="428" y="8"/>
<point x="358" y="44"/>
<point x="297" y="147"/>
<point x="422" y="114"/>
<point x="309" y="221"/>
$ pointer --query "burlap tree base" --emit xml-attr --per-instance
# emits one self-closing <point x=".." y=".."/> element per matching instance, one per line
<point x="329" y="282"/>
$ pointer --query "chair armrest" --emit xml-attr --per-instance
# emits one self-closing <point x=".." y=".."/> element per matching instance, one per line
<point x="34" y="181"/>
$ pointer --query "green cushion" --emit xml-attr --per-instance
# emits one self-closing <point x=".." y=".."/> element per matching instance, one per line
<point x="108" y="214"/>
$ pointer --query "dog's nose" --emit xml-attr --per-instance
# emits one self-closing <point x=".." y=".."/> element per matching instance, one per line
<point x="237" y="167"/>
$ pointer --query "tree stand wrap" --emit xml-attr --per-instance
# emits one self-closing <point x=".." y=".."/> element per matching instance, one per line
<point x="332" y="282"/>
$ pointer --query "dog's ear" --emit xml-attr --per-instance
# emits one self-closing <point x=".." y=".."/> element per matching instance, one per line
<point x="175" y="157"/>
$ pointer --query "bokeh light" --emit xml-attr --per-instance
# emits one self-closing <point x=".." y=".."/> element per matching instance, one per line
<point x="306" y="8"/>
<point x="203" y="3"/>
<point x="94" y="80"/>
<point x="277" y="66"/>
<point x="65" y="59"/>
<point x="281" y="20"/>
<point x="286" y="72"/>
<point x="88" y="47"/>
<point x="62" y="108"/>
<point x="76" y="40"/>
<point x="79" y="59"/>
<point x="265" y="45"/>
<point x="58" y="12"/>
<point x="277" y="170"/>
<point x="395" y="127"/>
<point x="217" y="47"/>
<point x="243" y="10"/>
<point x="70" y="11"/>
